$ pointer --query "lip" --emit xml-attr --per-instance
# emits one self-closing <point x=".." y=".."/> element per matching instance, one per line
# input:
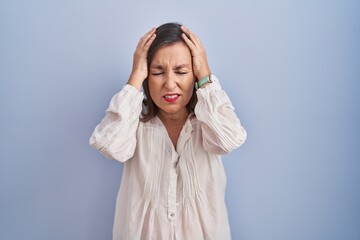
<point x="171" y="97"/>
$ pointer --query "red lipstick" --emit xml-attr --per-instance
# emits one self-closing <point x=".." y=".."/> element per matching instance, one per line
<point x="171" y="97"/>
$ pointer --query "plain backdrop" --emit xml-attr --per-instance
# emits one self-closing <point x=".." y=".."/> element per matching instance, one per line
<point x="291" y="68"/>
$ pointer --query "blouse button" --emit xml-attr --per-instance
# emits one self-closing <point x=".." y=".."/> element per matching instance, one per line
<point x="172" y="214"/>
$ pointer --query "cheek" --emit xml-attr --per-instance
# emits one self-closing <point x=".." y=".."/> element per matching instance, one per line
<point x="190" y="87"/>
<point x="152" y="89"/>
<point x="154" y="84"/>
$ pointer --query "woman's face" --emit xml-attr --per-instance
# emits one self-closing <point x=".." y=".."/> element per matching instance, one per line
<point x="171" y="79"/>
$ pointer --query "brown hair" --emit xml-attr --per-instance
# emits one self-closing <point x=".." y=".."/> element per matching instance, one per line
<point x="166" y="34"/>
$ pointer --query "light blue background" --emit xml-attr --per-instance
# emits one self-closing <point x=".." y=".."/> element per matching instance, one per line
<point x="292" y="69"/>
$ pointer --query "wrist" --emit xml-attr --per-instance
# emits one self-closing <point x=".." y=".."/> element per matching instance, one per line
<point x="204" y="73"/>
<point x="136" y="80"/>
<point x="203" y="82"/>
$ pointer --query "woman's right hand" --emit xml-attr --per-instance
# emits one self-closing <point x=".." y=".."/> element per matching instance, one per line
<point x="140" y="69"/>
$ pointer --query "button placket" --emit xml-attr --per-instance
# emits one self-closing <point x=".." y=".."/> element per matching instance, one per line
<point x="172" y="190"/>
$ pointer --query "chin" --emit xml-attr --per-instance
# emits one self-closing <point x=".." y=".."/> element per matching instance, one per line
<point x="174" y="110"/>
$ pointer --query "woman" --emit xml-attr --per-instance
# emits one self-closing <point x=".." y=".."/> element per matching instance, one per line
<point x="173" y="182"/>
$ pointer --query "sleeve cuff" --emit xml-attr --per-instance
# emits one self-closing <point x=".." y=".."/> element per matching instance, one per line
<point x="128" y="98"/>
<point x="215" y="85"/>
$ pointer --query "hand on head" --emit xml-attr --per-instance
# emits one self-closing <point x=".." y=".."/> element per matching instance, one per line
<point x="140" y="69"/>
<point x="199" y="60"/>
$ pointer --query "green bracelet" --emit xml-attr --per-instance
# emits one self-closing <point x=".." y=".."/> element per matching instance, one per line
<point x="202" y="82"/>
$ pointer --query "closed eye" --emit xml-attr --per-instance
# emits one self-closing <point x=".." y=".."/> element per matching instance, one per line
<point x="181" y="73"/>
<point x="157" y="73"/>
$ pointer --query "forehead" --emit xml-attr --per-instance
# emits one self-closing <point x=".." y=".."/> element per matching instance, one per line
<point x="177" y="53"/>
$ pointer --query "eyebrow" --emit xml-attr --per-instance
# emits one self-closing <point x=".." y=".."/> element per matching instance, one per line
<point x="160" y="67"/>
<point x="181" y="66"/>
<point x="157" y="67"/>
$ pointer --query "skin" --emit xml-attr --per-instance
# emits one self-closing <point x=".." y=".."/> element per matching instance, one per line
<point x="172" y="73"/>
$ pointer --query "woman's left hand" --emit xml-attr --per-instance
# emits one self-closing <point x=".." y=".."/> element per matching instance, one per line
<point x="199" y="60"/>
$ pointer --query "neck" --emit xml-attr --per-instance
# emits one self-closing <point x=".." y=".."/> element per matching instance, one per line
<point x="174" y="123"/>
<point x="178" y="118"/>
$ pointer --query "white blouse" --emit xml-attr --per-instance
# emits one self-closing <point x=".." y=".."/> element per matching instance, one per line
<point x="169" y="193"/>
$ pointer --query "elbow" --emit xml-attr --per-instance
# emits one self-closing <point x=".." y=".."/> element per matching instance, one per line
<point x="102" y="148"/>
<point x="99" y="144"/>
<point x="113" y="150"/>
<point x="237" y="139"/>
<point x="93" y="142"/>
<point x="241" y="137"/>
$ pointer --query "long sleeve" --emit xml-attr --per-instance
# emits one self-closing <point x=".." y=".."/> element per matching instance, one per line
<point x="221" y="129"/>
<point x="115" y="135"/>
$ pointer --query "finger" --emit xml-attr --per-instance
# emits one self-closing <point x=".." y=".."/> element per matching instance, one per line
<point x="184" y="29"/>
<point x="188" y="42"/>
<point x="187" y="32"/>
<point x="191" y="35"/>
<point x="188" y="38"/>
<point x="149" y="42"/>
<point x="145" y="38"/>
<point x="152" y="30"/>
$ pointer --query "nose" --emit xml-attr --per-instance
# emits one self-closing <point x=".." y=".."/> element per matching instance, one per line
<point x="170" y="81"/>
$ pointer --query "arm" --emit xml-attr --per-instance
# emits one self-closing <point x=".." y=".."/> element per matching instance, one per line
<point x="115" y="136"/>
<point x="221" y="129"/>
